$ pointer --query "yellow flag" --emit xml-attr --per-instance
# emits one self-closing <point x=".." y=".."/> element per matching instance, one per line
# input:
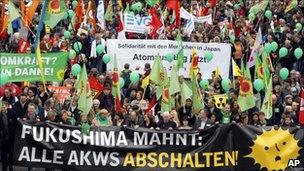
<point x="145" y="81"/>
<point x="39" y="59"/>
<point x="220" y="100"/>
<point x="236" y="69"/>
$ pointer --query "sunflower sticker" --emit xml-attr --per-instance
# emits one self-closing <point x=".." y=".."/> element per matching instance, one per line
<point x="60" y="74"/>
<point x="273" y="152"/>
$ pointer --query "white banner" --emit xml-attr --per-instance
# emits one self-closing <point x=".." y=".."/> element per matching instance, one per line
<point x="136" y="24"/>
<point x="138" y="52"/>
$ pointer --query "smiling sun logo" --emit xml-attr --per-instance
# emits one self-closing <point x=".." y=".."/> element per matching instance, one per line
<point x="273" y="149"/>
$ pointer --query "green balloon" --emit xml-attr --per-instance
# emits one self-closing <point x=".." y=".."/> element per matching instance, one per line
<point x="70" y="13"/>
<point x="251" y="17"/>
<point x="72" y="54"/>
<point x="268" y="14"/>
<point x="284" y="73"/>
<point x="283" y="52"/>
<point x="74" y="4"/>
<point x="298" y="53"/>
<point x="121" y="82"/>
<point x="226" y="84"/>
<point x="67" y="34"/>
<point x="134" y="77"/>
<point x="100" y="49"/>
<point x="169" y="57"/>
<point x="137" y="7"/>
<point x="258" y="84"/>
<point x="76" y="68"/>
<point x="236" y="6"/>
<point x="3" y="79"/>
<point x="299" y="27"/>
<point x="232" y="38"/>
<point x="204" y="83"/>
<point x="77" y="46"/>
<point x="268" y="48"/>
<point x="274" y="46"/>
<point x="106" y="58"/>
<point x="209" y="56"/>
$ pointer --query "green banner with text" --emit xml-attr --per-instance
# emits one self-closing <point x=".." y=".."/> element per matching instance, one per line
<point x="24" y="67"/>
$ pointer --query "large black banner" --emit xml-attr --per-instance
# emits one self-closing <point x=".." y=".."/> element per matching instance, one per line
<point x="221" y="147"/>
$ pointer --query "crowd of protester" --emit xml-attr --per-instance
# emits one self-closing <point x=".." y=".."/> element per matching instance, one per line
<point x="34" y="102"/>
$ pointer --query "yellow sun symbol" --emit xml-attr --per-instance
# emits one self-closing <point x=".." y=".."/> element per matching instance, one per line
<point x="273" y="149"/>
<point x="60" y="74"/>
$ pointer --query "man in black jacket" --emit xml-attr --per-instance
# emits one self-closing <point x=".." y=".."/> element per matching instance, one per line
<point x="8" y="122"/>
<point x="166" y="122"/>
<point x="20" y="107"/>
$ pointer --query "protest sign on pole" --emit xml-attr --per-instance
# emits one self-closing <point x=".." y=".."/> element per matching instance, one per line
<point x="24" y="67"/>
<point x="136" y="24"/>
<point x="138" y="52"/>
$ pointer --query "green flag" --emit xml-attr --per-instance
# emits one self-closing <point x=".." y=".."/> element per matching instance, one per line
<point x="53" y="16"/>
<point x="157" y="71"/>
<point x="267" y="102"/>
<point x="85" y="101"/>
<point x="165" y="100"/>
<point x="196" y="95"/>
<point x="174" y="84"/>
<point x="180" y="54"/>
<point x="265" y="64"/>
<point x="261" y="6"/>
<point x="186" y="92"/>
<point x="246" y="98"/>
<point x="109" y="12"/>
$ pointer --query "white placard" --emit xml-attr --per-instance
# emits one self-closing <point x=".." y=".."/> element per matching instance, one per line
<point x="137" y="52"/>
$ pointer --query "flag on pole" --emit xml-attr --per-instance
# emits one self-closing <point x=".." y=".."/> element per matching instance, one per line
<point x="40" y="25"/>
<point x="236" y="69"/>
<point x="109" y="12"/>
<point x="291" y="5"/>
<point x="180" y="54"/>
<point x="196" y="95"/>
<point x="145" y="82"/>
<point x="246" y="98"/>
<point x="121" y="28"/>
<point x="194" y="63"/>
<point x="37" y="41"/>
<point x="85" y="101"/>
<point x="100" y="14"/>
<point x="267" y="102"/>
<point x="165" y="100"/>
<point x="79" y="12"/>
<point x="11" y="14"/>
<point x="55" y="12"/>
<point x="39" y="60"/>
<point x="116" y="85"/>
<point x="257" y="49"/>
<point x="157" y="71"/>
<point x="90" y="15"/>
<point x="174" y="86"/>
<point x="28" y="9"/>
<point x="301" y="114"/>
<point x="4" y="16"/>
<point x="175" y="6"/>
<point x="186" y="93"/>
<point x="261" y="6"/>
<point x="155" y="24"/>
